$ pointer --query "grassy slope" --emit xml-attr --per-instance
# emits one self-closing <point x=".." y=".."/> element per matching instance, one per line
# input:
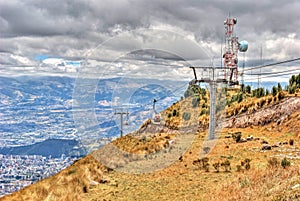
<point x="182" y="180"/>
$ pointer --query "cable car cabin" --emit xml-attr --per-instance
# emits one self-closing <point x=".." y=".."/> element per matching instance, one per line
<point x="126" y="123"/>
<point x="156" y="118"/>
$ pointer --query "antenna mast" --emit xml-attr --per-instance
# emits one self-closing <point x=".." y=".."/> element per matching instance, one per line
<point x="231" y="51"/>
<point x="259" y="75"/>
<point x="232" y="46"/>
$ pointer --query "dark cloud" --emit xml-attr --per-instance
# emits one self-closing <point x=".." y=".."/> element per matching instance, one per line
<point x="152" y="54"/>
<point x="27" y="18"/>
<point x="52" y="17"/>
<point x="70" y="28"/>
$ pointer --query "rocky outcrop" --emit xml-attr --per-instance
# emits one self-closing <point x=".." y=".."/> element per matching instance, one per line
<point x="277" y="113"/>
<point x="156" y="128"/>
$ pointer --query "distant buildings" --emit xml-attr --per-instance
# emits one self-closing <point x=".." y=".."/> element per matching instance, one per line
<point x="18" y="171"/>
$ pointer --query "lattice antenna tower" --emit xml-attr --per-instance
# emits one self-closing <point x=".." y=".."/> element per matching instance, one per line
<point x="231" y="51"/>
<point x="230" y="58"/>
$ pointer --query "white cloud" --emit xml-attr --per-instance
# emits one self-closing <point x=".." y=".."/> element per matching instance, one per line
<point x="21" y="60"/>
<point x="73" y="30"/>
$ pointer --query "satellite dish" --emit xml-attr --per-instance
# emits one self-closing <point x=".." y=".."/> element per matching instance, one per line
<point x="243" y="46"/>
<point x="235" y="20"/>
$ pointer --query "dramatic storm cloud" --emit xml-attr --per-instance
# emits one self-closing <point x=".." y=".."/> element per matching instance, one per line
<point x="73" y="30"/>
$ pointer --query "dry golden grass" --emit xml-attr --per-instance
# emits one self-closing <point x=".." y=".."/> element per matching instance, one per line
<point x="143" y="145"/>
<point x="182" y="180"/>
<point x="269" y="184"/>
<point x="252" y="104"/>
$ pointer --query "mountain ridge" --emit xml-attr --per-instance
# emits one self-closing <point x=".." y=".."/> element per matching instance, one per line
<point x="90" y="179"/>
<point x="50" y="147"/>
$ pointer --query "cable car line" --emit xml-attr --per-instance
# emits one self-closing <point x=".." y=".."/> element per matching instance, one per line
<point x="274" y="72"/>
<point x="272" y="64"/>
<point x="274" y="75"/>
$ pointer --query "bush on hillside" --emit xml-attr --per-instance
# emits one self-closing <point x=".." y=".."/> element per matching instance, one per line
<point x="237" y="136"/>
<point x="196" y="102"/>
<point x="186" y="116"/>
<point x="202" y="163"/>
<point x="285" y="163"/>
<point x="274" y="91"/>
<point x="248" y="89"/>
<point x="226" y="165"/>
<point x="273" y="162"/>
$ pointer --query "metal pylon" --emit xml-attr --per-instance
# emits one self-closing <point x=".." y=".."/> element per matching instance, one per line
<point x="121" y="120"/>
<point x="212" y="80"/>
<point x="212" y="114"/>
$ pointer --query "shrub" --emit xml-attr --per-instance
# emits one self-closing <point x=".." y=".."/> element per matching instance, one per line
<point x="240" y="97"/>
<point x="237" y="136"/>
<point x="247" y="163"/>
<point x="203" y="92"/>
<point x="274" y="91"/>
<point x="258" y="93"/>
<point x="186" y="116"/>
<point x="238" y="168"/>
<point x="285" y="163"/>
<point x="85" y="189"/>
<point x="202" y="163"/>
<point x="244" y="164"/>
<point x="248" y="89"/>
<point x="281" y="95"/>
<point x="273" y="162"/>
<point x="292" y="89"/>
<point x="279" y="87"/>
<point x="196" y="102"/>
<point x="204" y="111"/>
<point x="242" y="89"/>
<point x="228" y="103"/>
<point x="226" y="165"/>
<point x="174" y="113"/>
<point x="206" y="149"/>
<point x="217" y="166"/>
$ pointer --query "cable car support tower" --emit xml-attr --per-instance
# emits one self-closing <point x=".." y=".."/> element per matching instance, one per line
<point x="121" y="113"/>
<point x="227" y="75"/>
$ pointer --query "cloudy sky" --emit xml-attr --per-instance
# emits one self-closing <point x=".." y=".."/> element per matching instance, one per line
<point x="43" y="36"/>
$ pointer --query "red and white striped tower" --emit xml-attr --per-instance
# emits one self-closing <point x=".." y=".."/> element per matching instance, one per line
<point x="231" y="51"/>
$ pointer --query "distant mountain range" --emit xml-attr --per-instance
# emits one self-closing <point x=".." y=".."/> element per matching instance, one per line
<point x="34" y="109"/>
<point x="50" y="147"/>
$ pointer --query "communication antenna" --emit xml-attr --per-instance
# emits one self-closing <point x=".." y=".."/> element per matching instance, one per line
<point x="259" y="75"/>
<point x="230" y="57"/>
<point x="251" y="77"/>
<point x="232" y="47"/>
<point x="243" y="69"/>
<point x="221" y="54"/>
